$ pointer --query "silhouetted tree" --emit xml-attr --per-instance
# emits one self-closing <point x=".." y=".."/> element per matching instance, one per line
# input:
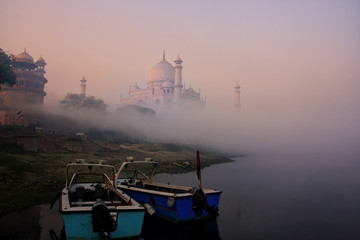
<point x="92" y="102"/>
<point x="7" y="76"/>
<point x="72" y="100"/>
<point x="78" y="101"/>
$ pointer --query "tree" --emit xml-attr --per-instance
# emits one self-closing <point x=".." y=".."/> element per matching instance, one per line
<point x="94" y="103"/>
<point x="7" y="75"/>
<point x="78" y="101"/>
<point x="72" y="100"/>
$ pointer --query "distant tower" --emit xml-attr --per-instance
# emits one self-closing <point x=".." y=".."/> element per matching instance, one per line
<point x="83" y="87"/>
<point x="40" y="63"/>
<point x="178" y="79"/>
<point x="237" y="95"/>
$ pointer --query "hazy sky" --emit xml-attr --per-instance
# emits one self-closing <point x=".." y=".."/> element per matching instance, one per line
<point x="288" y="52"/>
<point x="294" y="60"/>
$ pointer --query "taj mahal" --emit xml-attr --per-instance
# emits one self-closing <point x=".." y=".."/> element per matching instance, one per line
<point x="165" y="89"/>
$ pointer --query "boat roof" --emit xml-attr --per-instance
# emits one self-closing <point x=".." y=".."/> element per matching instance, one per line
<point x="73" y="169"/>
<point x="143" y="170"/>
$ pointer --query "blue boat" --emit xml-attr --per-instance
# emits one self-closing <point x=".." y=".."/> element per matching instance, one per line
<point x="170" y="202"/>
<point x="92" y="208"/>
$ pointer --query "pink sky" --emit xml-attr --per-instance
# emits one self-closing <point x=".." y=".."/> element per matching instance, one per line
<point x="280" y="52"/>
<point x="297" y="62"/>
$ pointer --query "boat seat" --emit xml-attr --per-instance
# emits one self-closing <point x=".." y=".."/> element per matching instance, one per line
<point x="139" y="185"/>
<point x="80" y="192"/>
<point x="99" y="192"/>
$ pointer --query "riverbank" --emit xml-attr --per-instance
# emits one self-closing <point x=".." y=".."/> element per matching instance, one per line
<point x="30" y="178"/>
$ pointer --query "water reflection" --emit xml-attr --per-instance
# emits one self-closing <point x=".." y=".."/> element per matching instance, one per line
<point x="37" y="222"/>
<point x="21" y="225"/>
<point x="157" y="229"/>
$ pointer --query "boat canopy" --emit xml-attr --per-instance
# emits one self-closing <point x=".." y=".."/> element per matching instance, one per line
<point x="88" y="173"/>
<point x="138" y="170"/>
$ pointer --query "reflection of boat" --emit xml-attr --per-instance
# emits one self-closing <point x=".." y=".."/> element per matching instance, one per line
<point x="170" y="202"/>
<point x="156" y="229"/>
<point x="91" y="207"/>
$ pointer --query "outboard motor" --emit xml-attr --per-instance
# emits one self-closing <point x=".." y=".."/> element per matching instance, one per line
<point x="200" y="203"/>
<point x="102" y="221"/>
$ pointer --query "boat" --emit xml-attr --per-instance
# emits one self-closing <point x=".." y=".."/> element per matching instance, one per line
<point x="93" y="208"/>
<point x="173" y="203"/>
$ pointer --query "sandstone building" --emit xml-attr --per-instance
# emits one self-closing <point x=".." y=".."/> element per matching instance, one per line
<point x="20" y="103"/>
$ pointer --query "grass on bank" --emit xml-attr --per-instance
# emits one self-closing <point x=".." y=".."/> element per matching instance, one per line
<point x="31" y="178"/>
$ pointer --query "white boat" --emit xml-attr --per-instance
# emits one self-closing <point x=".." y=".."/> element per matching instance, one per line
<point x="93" y="208"/>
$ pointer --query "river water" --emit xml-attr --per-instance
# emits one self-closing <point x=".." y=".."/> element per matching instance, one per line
<point x="285" y="197"/>
<point x="264" y="197"/>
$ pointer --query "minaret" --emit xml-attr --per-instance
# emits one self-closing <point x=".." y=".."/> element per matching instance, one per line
<point x="237" y="95"/>
<point x="40" y="63"/>
<point x="178" y="80"/>
<point x="83" y="87"/>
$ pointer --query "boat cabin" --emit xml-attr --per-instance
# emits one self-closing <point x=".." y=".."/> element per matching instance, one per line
<point x="90" y="183"/>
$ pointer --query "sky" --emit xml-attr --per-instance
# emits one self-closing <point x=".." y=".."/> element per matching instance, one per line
<point x="297" y="62"/>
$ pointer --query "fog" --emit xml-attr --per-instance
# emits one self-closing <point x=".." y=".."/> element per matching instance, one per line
<point x="242" y="130"/>
<point x="297" y="64"/>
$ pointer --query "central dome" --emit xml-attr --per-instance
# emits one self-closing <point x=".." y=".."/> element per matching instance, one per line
<point x="24" y="57"/>
<point x="162" y="71"/>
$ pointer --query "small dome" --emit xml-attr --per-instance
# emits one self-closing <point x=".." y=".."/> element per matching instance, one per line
<point x="24" y="57"/>
<point x="167" y="84"/>
<point x="40" y="60"/>
<point x="162" y="71"/>
<point x="178" y="60"/>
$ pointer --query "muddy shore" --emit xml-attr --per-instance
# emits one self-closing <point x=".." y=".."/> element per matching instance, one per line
<point x="29" y="178"/>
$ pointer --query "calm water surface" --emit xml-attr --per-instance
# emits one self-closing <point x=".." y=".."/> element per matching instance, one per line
<point x="285" y="197"/>
<point x="264" y="197"/>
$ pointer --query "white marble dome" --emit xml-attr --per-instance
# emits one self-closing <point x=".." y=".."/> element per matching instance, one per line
<point x="162" y="71"/>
